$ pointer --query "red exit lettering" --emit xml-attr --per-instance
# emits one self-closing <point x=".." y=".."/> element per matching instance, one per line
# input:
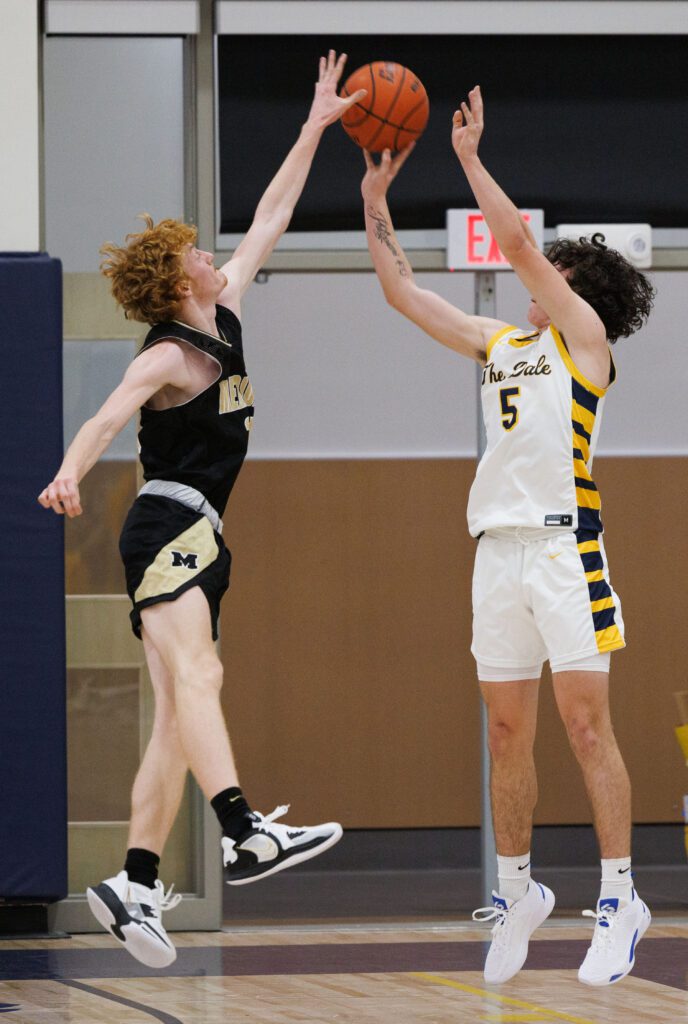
<point x="481" y="246"/>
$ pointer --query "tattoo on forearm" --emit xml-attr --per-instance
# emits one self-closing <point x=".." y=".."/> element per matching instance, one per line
<point x="383" y="234"/>
<point x="382" y="230"/>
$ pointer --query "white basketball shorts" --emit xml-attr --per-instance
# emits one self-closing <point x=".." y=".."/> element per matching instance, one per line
<point x="540" y="596"/>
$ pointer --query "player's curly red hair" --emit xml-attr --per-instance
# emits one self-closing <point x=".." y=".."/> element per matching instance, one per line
<point x="147" y="272"/>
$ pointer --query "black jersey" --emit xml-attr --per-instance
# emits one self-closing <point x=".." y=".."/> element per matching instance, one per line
<point x="202" y="443"/>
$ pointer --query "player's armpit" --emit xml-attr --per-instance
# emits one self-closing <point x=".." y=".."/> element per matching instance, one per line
<point x="162" y="365"/>
<point x="466" y="334"/>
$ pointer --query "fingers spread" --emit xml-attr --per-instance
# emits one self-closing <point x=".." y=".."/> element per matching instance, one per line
<point x="370" y="164"/>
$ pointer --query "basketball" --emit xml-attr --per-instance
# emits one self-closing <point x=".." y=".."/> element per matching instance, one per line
<point x="394" y="112"/>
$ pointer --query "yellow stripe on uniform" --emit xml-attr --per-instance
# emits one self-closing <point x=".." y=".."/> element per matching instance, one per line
<point x="571" y="366"/>
<point x="588" y="499"/>
<point x="599" y="606"/>
<point x="196" y="549"/>
<point x="588" y="545"/>
<point x="580" y="469"/>
<point x="497" y="337"/>
<point x="595" y="576"/>
<point x="583" y="446"/>
<point x="609" y="639"/>
<point x="583" y="416"/>
<point x="522" y="342"/>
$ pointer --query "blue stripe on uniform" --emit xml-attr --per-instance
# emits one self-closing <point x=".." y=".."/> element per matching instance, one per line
<point x="599" y="590"/>
<point x="584" y="535"/>
<point x="589" y="519"/>
<point x="580" y="429"/>
<point x="587" y="485"/>
<point x="603" y="619"/>
<point x="592" y="561"/>
<point x="583" y="397"/>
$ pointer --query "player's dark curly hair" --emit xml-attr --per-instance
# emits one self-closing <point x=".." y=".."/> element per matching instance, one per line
<point x="621" y="296"/>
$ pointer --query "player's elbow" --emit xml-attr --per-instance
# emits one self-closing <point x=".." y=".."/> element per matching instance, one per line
<point x="400" y="296"/>
<point x="515" y="246"/>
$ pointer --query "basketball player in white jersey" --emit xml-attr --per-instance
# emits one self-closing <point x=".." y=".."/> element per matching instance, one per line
<point x="541" y="586"/>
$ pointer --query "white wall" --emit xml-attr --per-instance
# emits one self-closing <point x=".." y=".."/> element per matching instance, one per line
<point x="338" y="373"/>
<point x="114" y="140"/>
<point x="19" y="127"/>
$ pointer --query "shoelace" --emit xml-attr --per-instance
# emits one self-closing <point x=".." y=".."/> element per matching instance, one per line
<point x="166" y="900"/>
<point x="267" y="819"/>
<point x="497" y="914"/>
<point x="604" y="925"/>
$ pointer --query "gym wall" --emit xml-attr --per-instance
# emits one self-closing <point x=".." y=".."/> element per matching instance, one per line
<point x="345" y="634"/>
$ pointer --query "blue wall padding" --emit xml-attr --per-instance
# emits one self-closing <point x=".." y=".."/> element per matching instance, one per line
<point x="33" y="757"/>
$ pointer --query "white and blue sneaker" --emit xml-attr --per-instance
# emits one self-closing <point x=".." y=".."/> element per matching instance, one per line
<point x="131" y="913"/>
<point x="619" y="926"/>
<point x="515" y="921"/>
<point x="268" y="847"/>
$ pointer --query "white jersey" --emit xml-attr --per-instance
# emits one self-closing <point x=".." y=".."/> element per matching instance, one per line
<point x="542" y="419"/>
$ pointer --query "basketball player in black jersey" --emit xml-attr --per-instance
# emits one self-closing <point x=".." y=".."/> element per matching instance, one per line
<point x="190" y="383"/>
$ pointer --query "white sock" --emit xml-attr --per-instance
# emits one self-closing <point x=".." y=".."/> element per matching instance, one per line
<point x="617" y="879"/>
<point x="514" y="876"/>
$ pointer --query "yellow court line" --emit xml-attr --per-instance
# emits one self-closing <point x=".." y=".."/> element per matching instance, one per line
<point x="513" y="1017"/>
<point x="486" y="994"/>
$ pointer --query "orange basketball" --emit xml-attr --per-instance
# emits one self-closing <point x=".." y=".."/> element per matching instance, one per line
<point x="394" y="111"/>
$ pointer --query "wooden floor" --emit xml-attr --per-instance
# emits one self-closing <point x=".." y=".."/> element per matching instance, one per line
<point x="353" y="974"/>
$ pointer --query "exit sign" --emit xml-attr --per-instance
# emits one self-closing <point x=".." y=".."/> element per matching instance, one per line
<point x="471" y="244"/>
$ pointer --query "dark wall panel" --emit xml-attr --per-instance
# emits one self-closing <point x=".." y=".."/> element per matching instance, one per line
<point x="33" y="766"/>
<point x="577" y="125"/>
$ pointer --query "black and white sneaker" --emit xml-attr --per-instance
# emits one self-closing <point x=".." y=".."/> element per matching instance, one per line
<point x="131" y="913"/>
<point x="268" y="847"/>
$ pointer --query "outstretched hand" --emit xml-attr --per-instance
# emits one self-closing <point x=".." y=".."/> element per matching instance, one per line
<point x="327" y="106"/>
<point x="467" y="125"/>
<point x="379" y="177"/>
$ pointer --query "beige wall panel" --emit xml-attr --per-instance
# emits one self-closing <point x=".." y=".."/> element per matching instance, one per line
<point x="647" y="547"/>
<point x="345" y="636"/>
<point x="92" y="562"/>
<point x="350" y="688"/>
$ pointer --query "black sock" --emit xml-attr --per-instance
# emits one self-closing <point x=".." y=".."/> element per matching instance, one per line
<point x="142" y="866"/>
<point x="232" y="811"/>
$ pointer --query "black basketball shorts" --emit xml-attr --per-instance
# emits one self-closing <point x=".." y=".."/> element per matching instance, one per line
<point x="168" y="548"/>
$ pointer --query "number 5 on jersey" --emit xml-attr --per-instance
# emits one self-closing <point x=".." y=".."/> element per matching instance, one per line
<point x="509" y="410"/>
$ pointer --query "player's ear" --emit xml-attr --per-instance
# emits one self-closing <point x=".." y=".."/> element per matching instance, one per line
<point x="183" y="288"/>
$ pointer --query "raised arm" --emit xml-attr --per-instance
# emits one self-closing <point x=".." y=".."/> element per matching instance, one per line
<point x="154" y="369"/>
<point x="275" y="209"/>
<point x="581" y="326"/>
<point x="449" y="325"/>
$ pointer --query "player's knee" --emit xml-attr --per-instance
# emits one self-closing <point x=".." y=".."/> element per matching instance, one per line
<point x="202" y="674"/>
<point x="504" y="736"/>
<point x="585" y="735"/>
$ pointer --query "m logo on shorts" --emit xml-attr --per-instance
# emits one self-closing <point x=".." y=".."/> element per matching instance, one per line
<point x="189" y="561"/>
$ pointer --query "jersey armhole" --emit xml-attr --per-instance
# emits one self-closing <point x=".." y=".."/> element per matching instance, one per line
<point x="575" y="372"/>
<point x="189" y="344"/>
<point x="497" y="336"/>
